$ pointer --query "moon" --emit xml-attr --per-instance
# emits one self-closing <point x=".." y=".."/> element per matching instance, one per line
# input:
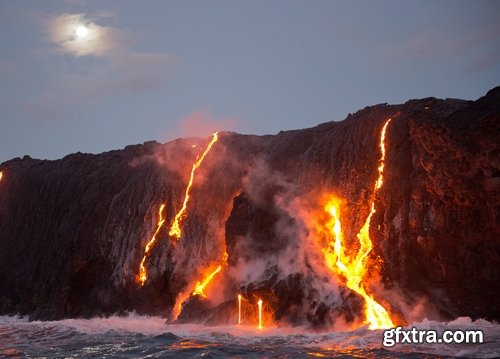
<point x="82" y="31"/>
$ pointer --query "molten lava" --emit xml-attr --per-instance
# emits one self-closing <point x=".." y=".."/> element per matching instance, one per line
<point x="175" y="230"/>
<point x="143" y="276"/>
<point x="260" y="314"/>
<point x="355" y="270"/>
<point x="200" y="286"/>
<point x="199" y="289"/>
<point x="1" y="176"/>
<point x="239" y="308"/>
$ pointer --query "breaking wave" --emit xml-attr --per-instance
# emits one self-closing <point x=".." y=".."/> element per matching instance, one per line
<point x="144" y="336"/>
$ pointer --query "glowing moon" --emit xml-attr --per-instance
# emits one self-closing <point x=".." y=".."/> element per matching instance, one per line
<point x="82" y="31"/>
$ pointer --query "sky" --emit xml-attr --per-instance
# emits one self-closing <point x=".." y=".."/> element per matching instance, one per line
<point x="93" y="76"/>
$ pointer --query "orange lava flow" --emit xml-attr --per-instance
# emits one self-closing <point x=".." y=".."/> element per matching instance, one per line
<point x="175" y="230"/>
<point x="199" y="289"/>
<point x="200" y="286"/>
<point x="239" y="308"/>
<point x="143" y="276"/>
<point x="1" y="176"/>
<point x="260" y="314"/>
<point x="355" y="270"/>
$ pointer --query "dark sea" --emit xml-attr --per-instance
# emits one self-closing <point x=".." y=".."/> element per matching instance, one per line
<point x="137" y="336"/>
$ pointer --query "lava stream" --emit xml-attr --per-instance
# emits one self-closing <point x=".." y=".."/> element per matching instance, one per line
<point x="354" y="270"/>
<point x="199" y="289"/>
<point x="1" y="176"/>
<point x="260" y="314"/>
<point x="143" y="276"/>
<point x="239" y="308"/>
<point x="200" y="286"/>
<point x="175" y="230"/>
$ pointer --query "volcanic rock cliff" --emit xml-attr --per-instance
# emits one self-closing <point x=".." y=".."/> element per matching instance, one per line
<point x="73" y="231"/>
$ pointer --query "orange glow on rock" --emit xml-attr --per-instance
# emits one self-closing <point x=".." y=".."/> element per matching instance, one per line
<point x="175" y="230"/>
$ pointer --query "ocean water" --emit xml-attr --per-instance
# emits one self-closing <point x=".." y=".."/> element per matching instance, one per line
<point x="137" y="336"/>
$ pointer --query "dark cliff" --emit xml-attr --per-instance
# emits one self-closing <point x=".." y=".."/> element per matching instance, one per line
<point x="73" y="231"/>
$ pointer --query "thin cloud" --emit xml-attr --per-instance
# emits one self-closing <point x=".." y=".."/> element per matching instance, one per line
<point x="99" y="41"/>
<point x="118" y="70"/>
<point x="130" y="73"/>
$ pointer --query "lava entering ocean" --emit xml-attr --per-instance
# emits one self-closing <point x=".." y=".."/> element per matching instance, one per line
<point x="239" y="308"/>
<point x="355" y="270"/>
<point x="260" y="314"/>
<point x="352" y="267"/>
<point x="359" y="223"/>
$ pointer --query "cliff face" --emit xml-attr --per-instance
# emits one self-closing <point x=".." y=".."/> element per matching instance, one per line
<point x="73" y="231"/>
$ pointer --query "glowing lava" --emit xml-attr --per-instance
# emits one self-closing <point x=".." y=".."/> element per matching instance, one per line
<point x="354" y="270"/>
<point x="1" y="176"/>
<point x="239" y="308"/>
<point x="200" y="286"/>
<point x="143" y="276"/>
<point x="175" y="230"/>
<point x="260" y="314"/>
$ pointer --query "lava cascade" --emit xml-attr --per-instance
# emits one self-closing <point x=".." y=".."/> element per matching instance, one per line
<point x="143" y="275"/>
<point x="175" y="230"/>
<point x="440" y="188"/>
<point x="239" y="308"/>
<point x="355" y="270"/>
<point x="200" y="285"/>
<point x="199" y="289"/>
<point x="260" y="314"/>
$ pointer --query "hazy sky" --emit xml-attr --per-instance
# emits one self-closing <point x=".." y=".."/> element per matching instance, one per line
<point x="158" y="70"/>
